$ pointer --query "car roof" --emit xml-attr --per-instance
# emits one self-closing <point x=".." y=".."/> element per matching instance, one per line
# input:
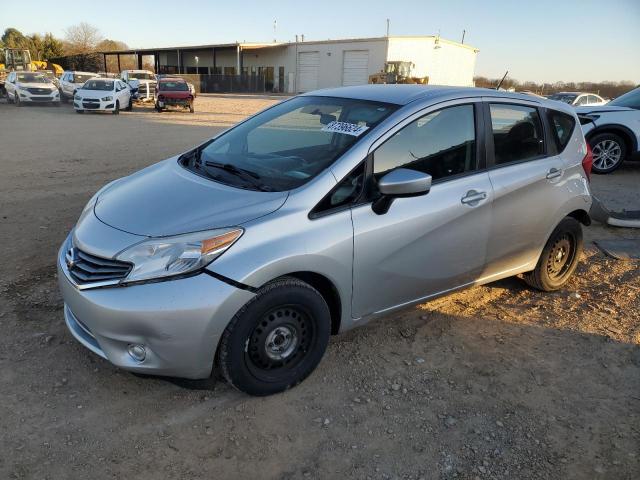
<point x="78" y="71"/>
<point x="404" y="94"/>
<point x="172" y="79"/>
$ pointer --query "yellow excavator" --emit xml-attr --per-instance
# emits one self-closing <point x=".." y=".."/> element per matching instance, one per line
<point x="397" y="72"/>
<point x="20" y="59"/>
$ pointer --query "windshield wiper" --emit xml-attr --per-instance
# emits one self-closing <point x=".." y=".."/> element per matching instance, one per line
<point x="252" y="177"/>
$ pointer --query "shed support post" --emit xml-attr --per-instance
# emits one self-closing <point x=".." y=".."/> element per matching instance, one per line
<point x="104" y="56"/>
<point x="119" y="69"/>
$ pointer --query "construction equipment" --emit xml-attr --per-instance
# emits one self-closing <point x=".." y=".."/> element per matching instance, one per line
<point x="397" y="72"/>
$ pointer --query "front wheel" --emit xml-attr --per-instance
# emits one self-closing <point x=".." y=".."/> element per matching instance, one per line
<point x="277" y="339"/>
<point x="559" y="257"/>
<point x="79" y="111"/>
<point x="16" y="98"/>
<point x="116" y="111"/>
<point x="130" y="105"/>
<point x="609" y="151"/>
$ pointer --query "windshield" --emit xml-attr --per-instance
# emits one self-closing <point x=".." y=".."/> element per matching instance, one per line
<point x="174" y="86"/>
<point x="630" y="99"/>
<point x="141" y="76"/>
<point x="83" y="77"/>
<point x="32" y="78"/>
<point x="286" y="145"/>
<point x="563" y="97"/>
<point x="105" y="85"/>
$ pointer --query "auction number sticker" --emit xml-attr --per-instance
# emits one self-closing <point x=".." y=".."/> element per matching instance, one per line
<point x="344" y="127"/>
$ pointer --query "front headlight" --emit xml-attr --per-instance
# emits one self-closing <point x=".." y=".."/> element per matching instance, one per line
<point x="107" y="99"/>
<point x="78" y="98"/>
<point x="167" y="257"/>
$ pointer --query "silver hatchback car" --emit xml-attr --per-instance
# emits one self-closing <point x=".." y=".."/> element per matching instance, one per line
<point x="316" y="215"/>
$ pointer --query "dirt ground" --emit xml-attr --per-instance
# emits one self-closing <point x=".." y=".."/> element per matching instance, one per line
<point x="496" y="382"/>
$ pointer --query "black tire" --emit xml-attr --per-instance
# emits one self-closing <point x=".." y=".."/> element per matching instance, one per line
<point x="9" y="100"/>
<point x="116" y="111"/>
<point x="130" y="106"/>
<point x="79" y="111"/>
<point x="559" y="257"/>
<point x="63" y="97"/>
<point x="609" y="151"/>
<point x="191" y="109"/>
<point x="277" y="339"/>
<point x="158" y="108"/>
<point x="16" y="99"/>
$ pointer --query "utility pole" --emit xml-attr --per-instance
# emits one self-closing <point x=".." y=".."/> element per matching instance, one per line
<point x="387" y="27"/>
<point x="275" y="25"/>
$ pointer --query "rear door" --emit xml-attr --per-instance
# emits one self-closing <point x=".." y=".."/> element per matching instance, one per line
<point x="528" y="183"/>
<point x="431" y="243"/>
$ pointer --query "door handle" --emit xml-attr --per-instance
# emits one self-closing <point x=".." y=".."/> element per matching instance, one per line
<point x="554" y="173"/>
<point x="473" y="197"/>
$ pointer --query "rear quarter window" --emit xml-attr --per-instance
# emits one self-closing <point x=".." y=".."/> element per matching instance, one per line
<point x="562" y="126"/>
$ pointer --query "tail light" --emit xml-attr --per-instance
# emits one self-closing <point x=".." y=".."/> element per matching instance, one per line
<point x="587" y="162"/>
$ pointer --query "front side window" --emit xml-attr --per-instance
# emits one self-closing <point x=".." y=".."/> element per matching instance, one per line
<point x="630" y="99"/>
<point x="442" y="144"/>
<point x="517" y="133"/>
<point x="561" y="128"/>
<point x="287" y="145"/>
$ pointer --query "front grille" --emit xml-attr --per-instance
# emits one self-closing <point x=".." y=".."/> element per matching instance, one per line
<point x="87" y="268"/>
<point x="40" y="99"/>
<point x="90" y="105"/>
<point x="39" y="91"/>
<point x="146" y="90"/>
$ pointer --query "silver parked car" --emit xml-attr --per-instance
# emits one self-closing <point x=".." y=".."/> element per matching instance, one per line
<point x="316" y="215"/>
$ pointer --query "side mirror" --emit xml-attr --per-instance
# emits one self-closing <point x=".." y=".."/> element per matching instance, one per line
<point x="401" y="182"/>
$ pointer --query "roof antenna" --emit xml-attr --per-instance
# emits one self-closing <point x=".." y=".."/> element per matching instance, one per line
<point x="500" y="83"/>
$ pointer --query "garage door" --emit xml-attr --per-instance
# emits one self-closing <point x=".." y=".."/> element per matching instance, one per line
<point x="308" y="68"/>
<point x="355" y="67"/>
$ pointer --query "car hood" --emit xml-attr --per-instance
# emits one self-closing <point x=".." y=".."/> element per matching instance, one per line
<point x="35" y="85"/>
<point x="602" y="109"/>
<point x="166" y="199"/>
<point x="97" y="93"/>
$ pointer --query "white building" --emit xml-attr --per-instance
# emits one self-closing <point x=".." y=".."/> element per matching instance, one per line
<point x="309" y="65"/>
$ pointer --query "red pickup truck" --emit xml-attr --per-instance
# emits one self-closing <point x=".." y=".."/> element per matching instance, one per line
<point x="173" y="92"/>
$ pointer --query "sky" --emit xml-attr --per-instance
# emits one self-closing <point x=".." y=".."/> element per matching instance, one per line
<point x="543" y="40"/>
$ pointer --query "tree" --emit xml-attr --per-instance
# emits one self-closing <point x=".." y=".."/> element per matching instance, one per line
<point x="108" y="45"/>
<point x="81" y="38"/>
<point x="51" y="47"/>
<point x="13" y="38"/>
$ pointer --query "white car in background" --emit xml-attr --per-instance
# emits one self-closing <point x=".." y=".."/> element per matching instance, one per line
<point x="72" y="81"/>
<point x="110" y="94"/>
<point x="613" y="131"/>
<point x="578" y="99"/>
<point x="142" y="81"/>
<point x="31" y="87"/>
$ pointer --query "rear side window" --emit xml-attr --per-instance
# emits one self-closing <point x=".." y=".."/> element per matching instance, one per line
<point x="562" y="126"/>
<point x="442" y="144"/>
<point x="517" y="133"/>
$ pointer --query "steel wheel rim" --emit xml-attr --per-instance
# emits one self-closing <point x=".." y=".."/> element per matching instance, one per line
<point x="561" y="256"/>
<point x="279" y="342"/>
<point x="606" y="154"/>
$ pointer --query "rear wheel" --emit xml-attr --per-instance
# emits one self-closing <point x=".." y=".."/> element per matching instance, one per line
<point x="609" y="151"/>
<point x="16" y="98"/>
<point x="130" y="105"/>
<point x="559" y="257"/>
<point x="116" y="111"/>
<point x="277" y="339"/>
<point x="191" y="109"/>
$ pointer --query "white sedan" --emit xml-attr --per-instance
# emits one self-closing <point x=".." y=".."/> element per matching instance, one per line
<point x="107" y="94"/>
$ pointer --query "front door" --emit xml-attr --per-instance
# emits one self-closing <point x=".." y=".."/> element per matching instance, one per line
<point x="432" y="243"/>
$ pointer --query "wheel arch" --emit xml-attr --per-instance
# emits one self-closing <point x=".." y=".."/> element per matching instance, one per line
<point x="582" y="216"/>
<point x="622" y="131"/>
<point x="329" y="292"/>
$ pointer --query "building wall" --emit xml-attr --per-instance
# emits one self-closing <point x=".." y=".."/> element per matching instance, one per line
<point x="444" y="62"/>
<point x="332" y="58"/>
